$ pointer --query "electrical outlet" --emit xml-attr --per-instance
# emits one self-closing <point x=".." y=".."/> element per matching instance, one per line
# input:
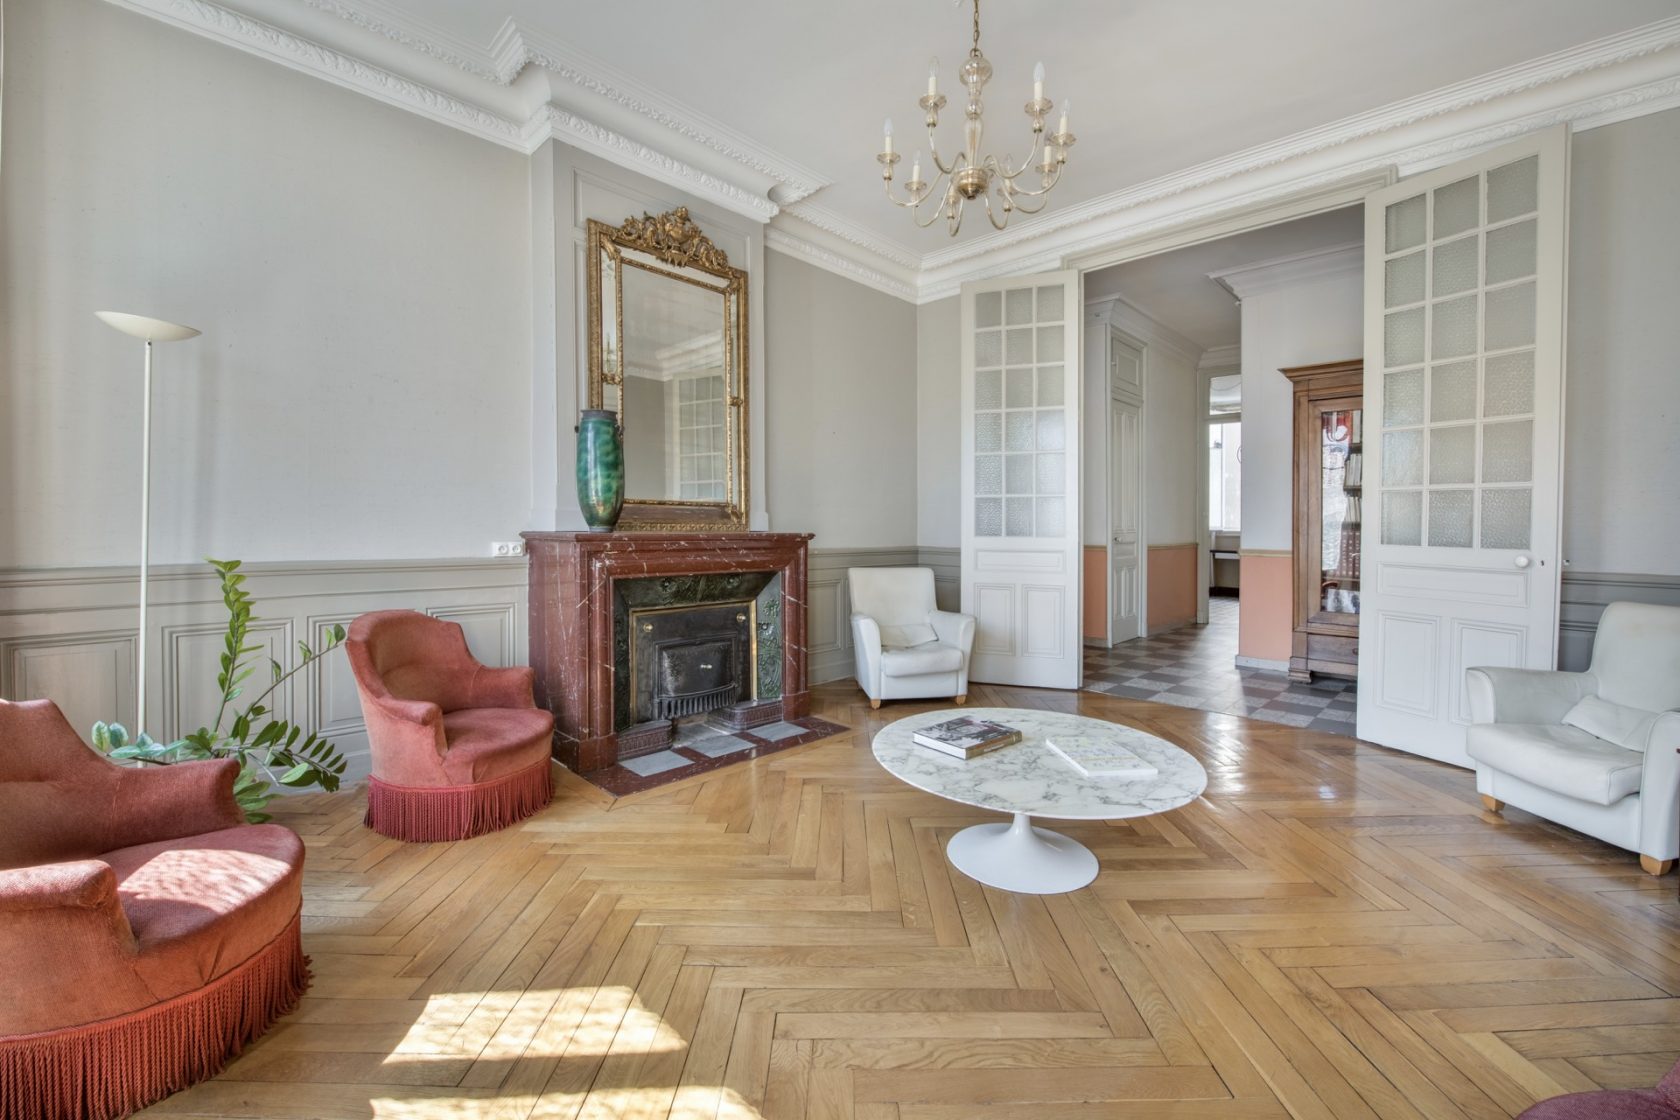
<point x="507" y="548"/>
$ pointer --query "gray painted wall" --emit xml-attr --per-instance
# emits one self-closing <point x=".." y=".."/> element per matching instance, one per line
<point x="939" y="424"/>
<point x="361" y="275"/>
<point x="842" y="443"/>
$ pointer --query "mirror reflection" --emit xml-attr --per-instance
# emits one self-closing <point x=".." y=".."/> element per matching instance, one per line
<point x="675" y="388"/>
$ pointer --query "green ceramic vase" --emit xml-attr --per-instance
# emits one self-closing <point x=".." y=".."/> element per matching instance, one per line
<point x="600" y="469"/>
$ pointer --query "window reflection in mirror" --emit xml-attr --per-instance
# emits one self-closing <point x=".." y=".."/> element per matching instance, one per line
<point x="674" y="385"/>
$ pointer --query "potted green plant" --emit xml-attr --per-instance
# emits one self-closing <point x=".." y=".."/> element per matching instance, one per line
<point x="269" y="751"/>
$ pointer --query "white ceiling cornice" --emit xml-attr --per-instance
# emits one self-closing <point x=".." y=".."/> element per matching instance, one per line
<point x="524" y="88"/>
<point x="1262" y="276"/>
<point x="1221" y="358"/>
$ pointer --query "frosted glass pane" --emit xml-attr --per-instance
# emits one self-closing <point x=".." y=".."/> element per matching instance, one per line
<point x="1403" y="399"/>
<point x="1403" y="280"/>
<point x="1452" y="392"/>
<point x="988" y="432"/>
<point x="1018" y="306"/>
<point x="1402" y="517"/>
<point x="1018" y="346"/>
<point x="1508" y="451"/>
<point x="1458" y="207"/>
<point x="1019" y="388"/>
<point x="988" y="474"/>
<point x="988" y="348"/>
<point x="988" y="517"/>
<point x="1050" y="344"/>
<point x="1018" y="432"/>
<point x="1505" y="515"/>
<point x="1050" y="385"/>
<point x="988" y="388"/>
<point x="1452" y="454"/>
<point x="1455" y="266"/>
<point x="1049" y="305"/>
<point x="1052" y="473"/>
<point x="1510" y="252"/>
<point x="988" y="309"/>
<point x="1018" y="474"/>
<point x="1454" y="327"/>
<point x="1449" y="518"/>
<point x="1513" y="190"/>
<point x="1018" y="517"/>
<point x="1510" y="317"/>
<point x="1405" y="223"/>
<point x="1402" y="458"/>
<point x="1052" y="429"/>
<point x="1403" y="338"/>
<point x="1509" y="389"/>
<point x="1052" y="517"/>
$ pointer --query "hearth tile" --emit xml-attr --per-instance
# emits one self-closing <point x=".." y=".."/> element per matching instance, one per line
<point x="648" y="765"/>
<point x="776" y="732"/>
<point x="716" y="746"/>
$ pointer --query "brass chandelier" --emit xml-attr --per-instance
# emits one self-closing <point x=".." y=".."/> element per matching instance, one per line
<point x="969" y="175"/>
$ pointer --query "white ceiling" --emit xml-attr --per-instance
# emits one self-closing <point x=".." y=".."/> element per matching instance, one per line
<point x="1158" y="85"/>
<point x="1174" y="288"/>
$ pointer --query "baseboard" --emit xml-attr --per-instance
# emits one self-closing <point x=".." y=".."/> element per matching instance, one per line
<point x="1246" y="662"/>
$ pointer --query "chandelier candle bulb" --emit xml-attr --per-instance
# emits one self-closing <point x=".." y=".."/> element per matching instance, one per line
<point x="887" y="131"/>
<point x="933" y="77"/>
<point x="1067" y="110"/>
<point x="1038" y="82"/>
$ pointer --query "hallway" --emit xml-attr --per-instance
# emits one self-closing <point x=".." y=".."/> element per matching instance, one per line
<point x="1195" y="667"/>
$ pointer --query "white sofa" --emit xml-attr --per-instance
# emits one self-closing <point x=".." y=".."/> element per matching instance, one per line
<point x="906" y="647"/>
<point x="1595" y="751"/>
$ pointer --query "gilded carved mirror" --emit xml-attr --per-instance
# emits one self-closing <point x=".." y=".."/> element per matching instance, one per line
<point x="668" y="353"/>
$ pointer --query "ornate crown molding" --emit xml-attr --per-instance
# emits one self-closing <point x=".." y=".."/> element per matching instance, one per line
<point x="841" y="264"/>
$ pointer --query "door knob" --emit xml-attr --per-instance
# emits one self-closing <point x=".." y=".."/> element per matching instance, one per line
<point x="1521" y="561"/>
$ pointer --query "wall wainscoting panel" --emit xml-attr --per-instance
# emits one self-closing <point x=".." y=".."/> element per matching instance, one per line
<point x="67" y="634"/>
<point x="1585" y="595"/>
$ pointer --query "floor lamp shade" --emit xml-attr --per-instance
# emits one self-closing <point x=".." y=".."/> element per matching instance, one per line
<point x="149" y="330"/>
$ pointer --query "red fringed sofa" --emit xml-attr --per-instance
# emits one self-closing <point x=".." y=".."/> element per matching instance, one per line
<point x="459" y="749"/>
<point x="147" y="933"/>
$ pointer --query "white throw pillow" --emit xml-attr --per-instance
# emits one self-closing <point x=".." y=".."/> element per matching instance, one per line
<point x="904" y="637"/>
<point x="1614" y="723"/>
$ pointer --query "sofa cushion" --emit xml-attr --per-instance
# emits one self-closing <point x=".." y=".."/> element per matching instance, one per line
<point x="1562" y="759"/>
<point x="906" y="635"/>
<point x="201" y="905"/>
<point x="1626" y="727"/>
<point x="486" y="743"/>
<point x="933" y="657"/>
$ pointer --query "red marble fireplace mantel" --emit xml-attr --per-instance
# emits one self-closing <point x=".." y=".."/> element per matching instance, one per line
<point x="571" y="594"/>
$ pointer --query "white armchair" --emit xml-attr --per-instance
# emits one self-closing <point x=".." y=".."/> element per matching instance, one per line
<point x="1597" y="751"/>
<point x="905" y="645"/>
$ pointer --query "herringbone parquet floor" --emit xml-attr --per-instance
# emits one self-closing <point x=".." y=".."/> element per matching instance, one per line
<point x="1334" y="930"/>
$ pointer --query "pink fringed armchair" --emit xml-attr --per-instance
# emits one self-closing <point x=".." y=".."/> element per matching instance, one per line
<point x="459" y="749"/>
<point x="147" y="933"/>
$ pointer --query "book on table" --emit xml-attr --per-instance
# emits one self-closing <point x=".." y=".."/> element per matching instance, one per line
<point x="1102" y="760"/>
<point x="965" y="738"/>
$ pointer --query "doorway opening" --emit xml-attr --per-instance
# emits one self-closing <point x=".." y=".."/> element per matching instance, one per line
<point x="1192" y="512"/>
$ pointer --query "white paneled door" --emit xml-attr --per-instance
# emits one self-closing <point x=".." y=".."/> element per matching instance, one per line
<point x="1020" y="478"/>
<point x="1125" y="495"/>
<point x="1464" y="315"/>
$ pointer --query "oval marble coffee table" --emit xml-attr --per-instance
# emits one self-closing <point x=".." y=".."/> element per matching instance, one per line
<point x="1030" y="780"/>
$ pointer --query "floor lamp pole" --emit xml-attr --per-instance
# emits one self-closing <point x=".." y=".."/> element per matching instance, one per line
<point x="145" y="528"/>
<point x="148" y="330"/>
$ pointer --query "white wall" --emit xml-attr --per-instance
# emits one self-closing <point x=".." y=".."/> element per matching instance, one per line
<point x="842" y="439"/>
<point x="939" y="424"/>
<point x="1313" y="320"/>
<point x="1621" y="508"/>
<point x="360" y="275"/>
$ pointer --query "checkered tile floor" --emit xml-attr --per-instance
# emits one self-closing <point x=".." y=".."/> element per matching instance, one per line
<point x="1195" y="667"/>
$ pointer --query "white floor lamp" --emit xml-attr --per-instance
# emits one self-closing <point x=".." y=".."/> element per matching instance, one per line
<point x="150" y="330"/>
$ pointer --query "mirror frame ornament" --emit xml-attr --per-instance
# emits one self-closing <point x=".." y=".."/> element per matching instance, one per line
<point x="672" y="238"/>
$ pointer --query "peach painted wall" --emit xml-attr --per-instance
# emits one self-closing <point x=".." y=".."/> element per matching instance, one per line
<point x="1266" y="606"/>
<point x="1096" y="593"/>
<point x="1172" y="586"/>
